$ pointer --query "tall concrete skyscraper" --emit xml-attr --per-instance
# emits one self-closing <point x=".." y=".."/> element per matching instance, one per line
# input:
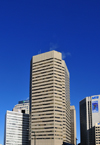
<point x="49" y="100"/>
<point x="89" y="116"/>
<point x="73" y="124"/>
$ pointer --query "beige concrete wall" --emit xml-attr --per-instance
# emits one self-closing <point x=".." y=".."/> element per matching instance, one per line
<point x="73" y="124"/>
<point x="46" y="55"/>
<point x="50" y="109"/>
<point x="46" y="142"/>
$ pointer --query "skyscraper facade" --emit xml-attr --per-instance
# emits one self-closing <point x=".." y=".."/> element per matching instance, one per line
<point x="49" y="100"/>
<point x="89" y="115"/>
<point x="16" y="128"/>
<point x="73" y="124"/>
<point x="17" y="125"/>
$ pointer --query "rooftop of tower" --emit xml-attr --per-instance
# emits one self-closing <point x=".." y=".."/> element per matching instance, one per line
<point x="48" y="55"/>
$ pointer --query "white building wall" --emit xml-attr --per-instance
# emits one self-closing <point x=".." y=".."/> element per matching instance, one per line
<point x="96" y="112"/>
<point x="17" y="128"/>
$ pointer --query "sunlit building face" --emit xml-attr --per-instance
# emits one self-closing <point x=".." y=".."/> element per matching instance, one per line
<point x="49" y="100"/>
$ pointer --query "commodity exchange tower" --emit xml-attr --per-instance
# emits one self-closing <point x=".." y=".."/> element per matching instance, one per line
<point x="49" y="100"/>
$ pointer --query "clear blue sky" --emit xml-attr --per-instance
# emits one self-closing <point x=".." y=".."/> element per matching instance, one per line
<point x="29" y="27"/>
